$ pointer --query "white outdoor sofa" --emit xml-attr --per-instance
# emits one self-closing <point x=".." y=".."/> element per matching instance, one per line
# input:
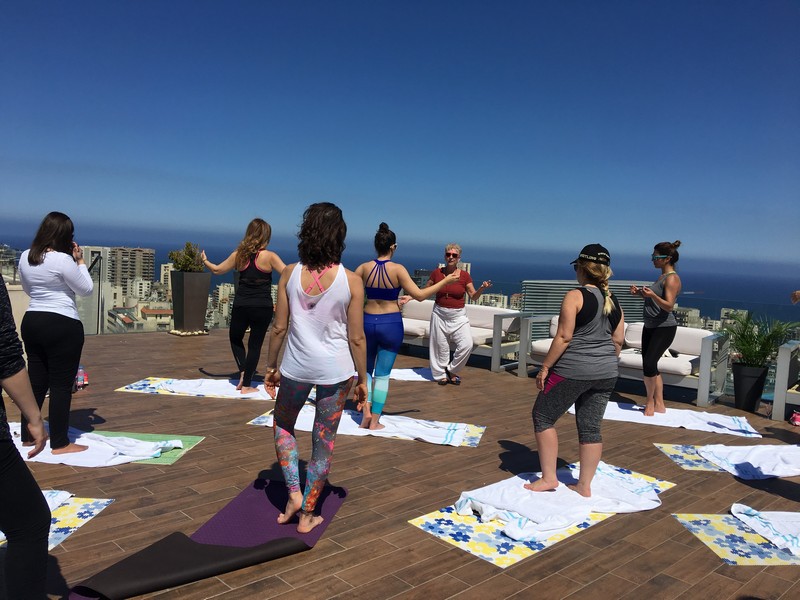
<point x="697" y="359"/>
<point x="490" y="328"/>
<point x="787" y="379"/>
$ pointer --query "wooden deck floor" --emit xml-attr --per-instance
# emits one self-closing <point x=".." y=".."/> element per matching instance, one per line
<point x="370" y="550"/>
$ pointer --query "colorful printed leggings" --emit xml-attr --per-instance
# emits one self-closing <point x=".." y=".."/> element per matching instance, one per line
<point x="384" y="335"/>
<point x="330" y="403"/>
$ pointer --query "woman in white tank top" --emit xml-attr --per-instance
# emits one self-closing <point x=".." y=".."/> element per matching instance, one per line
<point x="321" y="312"/>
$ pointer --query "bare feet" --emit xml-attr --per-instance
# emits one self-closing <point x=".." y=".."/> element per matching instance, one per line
<point x="651" y="408"/>
<point x="308" y="522"/>
<point x="292" y="506"/>
<point x="374" y="425"/>
<point x="249" y="390"/>
<point x="70" y="448"/>
<point x="366" y="416"/>
<point x="583" y="490"/>
<point x="27" y="443"/>
<point x="241" y="379"/>
<point x="542" y="485"/>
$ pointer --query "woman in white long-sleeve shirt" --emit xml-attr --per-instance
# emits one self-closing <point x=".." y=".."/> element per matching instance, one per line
<point x="53" y="272"/>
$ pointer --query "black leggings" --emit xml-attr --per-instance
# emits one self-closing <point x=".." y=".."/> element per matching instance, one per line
<point x="25" y="519"/>
<point x="655" y="341"/>
<point x="257" y="318"/>
<point x="53" y="344"/>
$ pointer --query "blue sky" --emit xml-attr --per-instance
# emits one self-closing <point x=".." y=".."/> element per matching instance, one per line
<point x="525" y="125"/>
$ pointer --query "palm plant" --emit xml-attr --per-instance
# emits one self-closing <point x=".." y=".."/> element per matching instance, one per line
<point x="755" y="341"/>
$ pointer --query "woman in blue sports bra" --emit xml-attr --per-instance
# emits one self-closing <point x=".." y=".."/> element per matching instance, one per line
<point x="383" y="321"/>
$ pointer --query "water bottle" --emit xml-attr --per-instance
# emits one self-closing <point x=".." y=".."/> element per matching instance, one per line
<point x="79" y="378"/>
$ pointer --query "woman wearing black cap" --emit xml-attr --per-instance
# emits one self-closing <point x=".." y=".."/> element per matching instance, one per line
<point x="660" y="324"/>
<point x="580" y="368"/>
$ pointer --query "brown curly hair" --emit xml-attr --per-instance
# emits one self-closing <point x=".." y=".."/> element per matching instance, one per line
<point x="321" y="236"/>
<point x="256" y="237"/>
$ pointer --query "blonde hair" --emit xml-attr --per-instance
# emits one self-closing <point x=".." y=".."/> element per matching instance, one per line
<point x="455" y="247"/>
<point x="256" y="237"/>
<point x="599" y="275"/>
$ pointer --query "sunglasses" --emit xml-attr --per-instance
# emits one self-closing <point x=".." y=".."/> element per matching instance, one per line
<point x="451" y="255"/>
<point x="657" y="256"/>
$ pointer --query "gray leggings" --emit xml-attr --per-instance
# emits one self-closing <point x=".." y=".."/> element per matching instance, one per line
<point x="590" y="399"/>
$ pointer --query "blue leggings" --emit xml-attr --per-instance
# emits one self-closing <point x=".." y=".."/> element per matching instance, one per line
<point x="384" y="337"/>
<point x="330" y="404"/>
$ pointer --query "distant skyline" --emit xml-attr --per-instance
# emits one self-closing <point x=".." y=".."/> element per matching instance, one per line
<point x="524" y="125"/>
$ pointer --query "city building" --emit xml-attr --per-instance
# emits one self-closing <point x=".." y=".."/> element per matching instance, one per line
<point x="496" y="300"/>
<point x="126" y="264"/>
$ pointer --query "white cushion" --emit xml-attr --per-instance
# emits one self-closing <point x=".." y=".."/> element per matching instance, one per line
<point x="415" y="327"/>
<point x="682" y="365"/>
<point x="540" y="348"/>
<point x="633" y="335"/>
<point x="483" y="316"/>
<point x="689" y="340"/>
<point x="418" y="310"/>
<point x="480" y="335"/>
<point x="553" y="326"/>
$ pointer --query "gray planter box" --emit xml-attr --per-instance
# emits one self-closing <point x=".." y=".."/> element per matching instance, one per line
<point x="190" y="300"/>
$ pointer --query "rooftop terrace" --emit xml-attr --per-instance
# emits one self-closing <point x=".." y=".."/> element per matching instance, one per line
<point x="370" y="550"/>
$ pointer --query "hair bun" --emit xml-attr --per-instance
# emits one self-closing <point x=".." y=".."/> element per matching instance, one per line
<point x="383" y="227"/>
<point x="676" y="244"/>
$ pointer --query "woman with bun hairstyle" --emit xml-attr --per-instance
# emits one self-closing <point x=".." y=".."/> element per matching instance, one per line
<point x="581" y="368"/>
<point x="660" y="324"/>
<point x="52" y="272"/>
<point x="383" y="321"/>
<point x="252" y="306"/>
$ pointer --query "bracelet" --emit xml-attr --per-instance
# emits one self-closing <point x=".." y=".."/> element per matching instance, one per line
<point x="271" y="370"/>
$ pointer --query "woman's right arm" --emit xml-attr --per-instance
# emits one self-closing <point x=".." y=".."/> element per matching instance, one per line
<point x="75" y="273"/>
<point x="223" y="267"/>
<point x="572" y="303"/>
<point x="355" y="335"/>
<point x="411" y="288"/>
<point x="280" y="325"/>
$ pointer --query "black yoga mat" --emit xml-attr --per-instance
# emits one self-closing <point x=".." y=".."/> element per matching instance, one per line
<point x="242" y="534"/>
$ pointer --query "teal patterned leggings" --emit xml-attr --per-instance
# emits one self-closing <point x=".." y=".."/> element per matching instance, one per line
<point x="330" y="403"/>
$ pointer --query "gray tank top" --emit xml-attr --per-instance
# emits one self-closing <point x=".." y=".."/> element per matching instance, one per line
<point x="591" y="353"/>
<point x="654" y="315"/>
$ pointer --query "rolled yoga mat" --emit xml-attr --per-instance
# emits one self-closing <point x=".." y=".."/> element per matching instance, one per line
<point x="244" y="533"/>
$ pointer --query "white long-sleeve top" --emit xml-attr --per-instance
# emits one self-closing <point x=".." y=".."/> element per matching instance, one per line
<point x="53" y="284"/>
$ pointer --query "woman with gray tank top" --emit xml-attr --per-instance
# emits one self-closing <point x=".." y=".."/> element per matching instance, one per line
<point x="660" y="324"/>
<point x="580" y="368"/>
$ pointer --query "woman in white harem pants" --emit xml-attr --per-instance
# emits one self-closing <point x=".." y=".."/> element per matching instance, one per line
<point x="449" y="323"/>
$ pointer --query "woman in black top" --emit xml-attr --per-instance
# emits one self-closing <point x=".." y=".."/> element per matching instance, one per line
<point x="252" y="305"/>
<point x="24" y="515"/>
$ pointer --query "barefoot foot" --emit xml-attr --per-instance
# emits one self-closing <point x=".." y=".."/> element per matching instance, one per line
<point x="649" y="409"/>
<point x="541" y="485"/>
<point x="292" y="506"/>
<point x="375" y="426"/>
<point x="660" y="407"/>
<point x="70" y="448"/>
<point x="583" y="490"/>
<point x="308" y="522"/>
<point x="241" y="379"/>
<point x="249" y="390"/>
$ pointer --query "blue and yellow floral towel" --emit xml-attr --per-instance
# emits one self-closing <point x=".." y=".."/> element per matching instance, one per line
<point x="688" y="458"/>
<point x="68" y="514"/>
<point x="735" y="542"/>
<point x="488" y="537"/>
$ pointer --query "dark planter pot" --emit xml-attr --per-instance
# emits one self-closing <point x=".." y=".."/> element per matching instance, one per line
<point x="190" y="300"/>
<point x="748" y="385"/>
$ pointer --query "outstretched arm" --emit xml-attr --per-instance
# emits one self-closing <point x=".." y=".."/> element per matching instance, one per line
<point x="405" y="281"/>
<point x="475" y="294"/>
<point x="223" y="267"/>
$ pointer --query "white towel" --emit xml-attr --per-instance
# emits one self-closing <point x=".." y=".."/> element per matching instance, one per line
<point x="537" y="515"/>
<point x="217" y="388"/>
<point x="780" y="528"/>
<point x="101" y="452"/>
<point x="754" y="462"/>
<point x="677" y="417"/>
<point x="406" y="428"/>
<point x="416" y="374"/>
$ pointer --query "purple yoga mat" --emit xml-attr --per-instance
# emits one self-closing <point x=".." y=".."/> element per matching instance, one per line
<point x="244" y="533"/>
<point x="251" y="518"/>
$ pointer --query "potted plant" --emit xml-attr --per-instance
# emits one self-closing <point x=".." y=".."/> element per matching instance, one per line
<point x="754" y="343"/>
<point x="190" y="286"/>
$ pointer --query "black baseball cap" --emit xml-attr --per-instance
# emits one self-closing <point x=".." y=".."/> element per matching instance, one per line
<point x="594" y="253"/>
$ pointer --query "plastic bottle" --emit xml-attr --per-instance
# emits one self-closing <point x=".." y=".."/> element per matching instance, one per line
<point x="79" y="378"/>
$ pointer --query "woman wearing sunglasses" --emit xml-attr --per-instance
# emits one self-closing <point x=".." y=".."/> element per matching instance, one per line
<point x="660" y="324"/>
<point x="449" y="323"/>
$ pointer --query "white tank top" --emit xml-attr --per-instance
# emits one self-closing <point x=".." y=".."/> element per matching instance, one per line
<point x="317" y="348"/>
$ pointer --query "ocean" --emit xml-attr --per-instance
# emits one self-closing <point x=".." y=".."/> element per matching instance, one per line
<point x="762" y="288"/>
